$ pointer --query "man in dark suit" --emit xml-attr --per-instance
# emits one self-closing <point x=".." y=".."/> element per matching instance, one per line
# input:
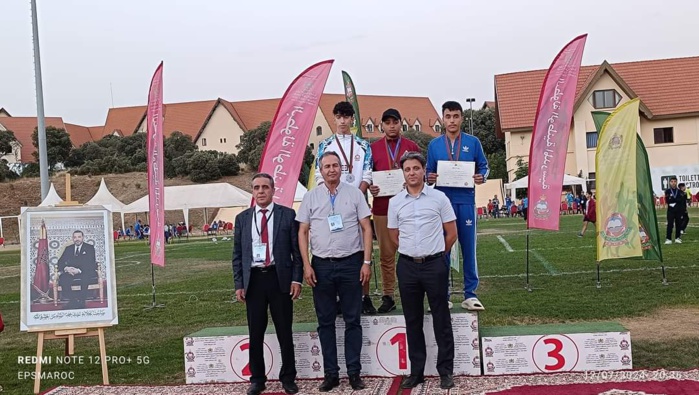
<point x="77" y="266"/>
<point x="268" y="270"/>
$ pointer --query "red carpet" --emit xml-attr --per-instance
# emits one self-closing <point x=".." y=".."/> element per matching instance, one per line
<point x="635" y="382"/>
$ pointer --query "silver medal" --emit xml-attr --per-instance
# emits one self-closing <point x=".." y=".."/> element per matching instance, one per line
<point x="350" y="178"/>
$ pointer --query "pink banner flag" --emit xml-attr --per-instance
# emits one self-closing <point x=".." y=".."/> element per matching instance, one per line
<point x="288" y="136"/>
<point x="547" y="153"/>
<point x="156" y="188"/>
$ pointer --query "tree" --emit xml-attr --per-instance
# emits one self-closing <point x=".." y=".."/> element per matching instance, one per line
<point x="58" y="145"/>
<point x="421" y="139"/>
<point x="228" y="164"/>
<point x="252" y="144"/>
<point x="498" y="166"/>
<point x="176" y="145"/>
<point x="484" y="129"/>
<point x="204" y="166"/>
<point x="7" y="137"/>
<point x="522" y="169"/>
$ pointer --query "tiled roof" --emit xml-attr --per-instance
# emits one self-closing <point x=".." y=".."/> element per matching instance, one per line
<point x="253" y="112"/>
<point x="23" y="127"/>
<point x="4" y="112"/>
<point x="666" y="87"/>
<point x="488" y="104"/>
<point x="79" y="135"/>
<point x="188" y="118"/>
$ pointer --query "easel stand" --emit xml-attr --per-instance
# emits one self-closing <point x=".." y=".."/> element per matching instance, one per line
<point x="69" y="335"/>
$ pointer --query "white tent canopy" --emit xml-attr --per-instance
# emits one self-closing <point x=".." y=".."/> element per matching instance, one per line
<point x="185" y="197"/>
<point x="52" y="198"/>
<point x="300" y="192"/>
<point x="228" y="214"/>
<point x="523" y="183"/>
<point x="105" y="198"/>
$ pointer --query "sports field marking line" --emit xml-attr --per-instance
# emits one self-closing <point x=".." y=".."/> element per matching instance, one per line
<point x="636" y="269"/>
<point x="505" y="243"/>
<point x="547" y="265"/>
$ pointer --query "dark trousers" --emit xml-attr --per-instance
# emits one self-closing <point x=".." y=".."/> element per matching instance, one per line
<point x="674" y="218"/>
<point x="339" y="277"/>
<point x="264" y="291"/>
<point x="414" y="281"/>
<point x="68" y="281"/>
<point x="685" y="221"/>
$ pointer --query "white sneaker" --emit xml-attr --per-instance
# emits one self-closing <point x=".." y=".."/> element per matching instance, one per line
<point x="668" y="241"/>
<point x="681" y="232"/>
<point x="678" y="241"/>
<point x="472" y="304"/>
<point x="450" y="304"/>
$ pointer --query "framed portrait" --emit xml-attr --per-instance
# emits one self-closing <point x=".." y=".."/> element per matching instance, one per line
<point x="68" y="275"/>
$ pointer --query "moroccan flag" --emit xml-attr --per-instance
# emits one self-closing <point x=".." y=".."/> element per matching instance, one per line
<point x="648" y="221"/>
<point x="617" y="187"/>
<point x="40" y="284"/>
<point x="156" y="188"/>
<point x="351" y="96"/>
<point x="547" y="153"/>
<point x="288" y="136"/>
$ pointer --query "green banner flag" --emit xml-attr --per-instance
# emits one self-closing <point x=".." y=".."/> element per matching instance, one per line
<point x="351" y="97"/>
<point x="647" y="217"/>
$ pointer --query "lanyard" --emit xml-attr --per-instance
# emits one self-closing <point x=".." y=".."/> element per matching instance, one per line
<point x="450" y="151"/>
<point x="674" y="195"/>
<point x="264" y="226"/>
<point x="392" y="154"/>
<point x="332" y="200"/>
<point x="342" y="151"/>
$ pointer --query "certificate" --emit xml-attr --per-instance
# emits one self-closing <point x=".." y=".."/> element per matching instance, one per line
<point x="456" y="174"/>
<point x="390" y="182"/>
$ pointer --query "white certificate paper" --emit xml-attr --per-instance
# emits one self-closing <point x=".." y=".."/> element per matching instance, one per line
<point x="390" y="182"/>
<point x="456" y="174"/>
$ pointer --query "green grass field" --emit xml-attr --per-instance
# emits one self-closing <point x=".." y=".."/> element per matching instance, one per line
<point x="196" y="288"/>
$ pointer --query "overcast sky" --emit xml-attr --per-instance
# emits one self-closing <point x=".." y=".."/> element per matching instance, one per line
<point x="245" y="49"/>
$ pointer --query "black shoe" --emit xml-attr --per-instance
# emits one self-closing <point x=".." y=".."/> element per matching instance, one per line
<point x="446" y="381"/>
<point x="412" y="381"/>
<point x="387" y="304"/>
<point x="256" y="388"/>
<point x="356" y="382"/>
<point x="367" y="306"/>
<point x="329" y="383"/>
<point x="290" y="387"/>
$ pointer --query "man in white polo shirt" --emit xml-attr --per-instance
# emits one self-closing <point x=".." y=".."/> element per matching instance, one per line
<point x="422" y="222"/>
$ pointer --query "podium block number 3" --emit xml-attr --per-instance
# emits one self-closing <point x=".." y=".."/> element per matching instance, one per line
<point x="555" y="353"/>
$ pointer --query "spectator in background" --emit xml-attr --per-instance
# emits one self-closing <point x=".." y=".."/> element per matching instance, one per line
<point x="676" y="201"/>
<point x="689" y="197"/>
<point x="590" y="214"/>
<point x="583" y="202"/>
<point x="508" y="204"/>
<point x="490" y="208"/>
<point x="138" y="229"/>
<point x="129" y="232"/>
<point x="569" y="202"/>
<point x="685" y="216"/>
<point x="496" y="206"/>
<point x="576" y="205"/>
<point x="525" y="203"/>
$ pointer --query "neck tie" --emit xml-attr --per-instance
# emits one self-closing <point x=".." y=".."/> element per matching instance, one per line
<point x="76" y="251"/>
<point x="263" y="235"/>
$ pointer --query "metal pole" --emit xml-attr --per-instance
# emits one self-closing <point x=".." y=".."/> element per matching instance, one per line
<point x="152" y="277"/>
<point x="529" y="288"/>
<point x="664" y="278"/>
<point x="470" y="118"/>
<point x="599" y="283"/>
<point x="43" y="160"/>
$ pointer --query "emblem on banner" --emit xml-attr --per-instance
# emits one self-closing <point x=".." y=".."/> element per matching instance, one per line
<point x="314" y="335"/>
<point x="541" y="210"/>
<point x="474" y="326"/>
<point x="626" y="360"/>
<point x="190" y="356"/>
<point x="476" y="361"/>
<point x="624" y="345"/>
<point x="191" y="372"/>
<point x="474" y="343"/>
<point x="489" y="352"/>
<point x="188" y="341"/>
<point x="615" y="141"/>
<point x="375" y="322"/>
<point x="615" y="230"/>
<point x="315" y="350"/>
<point x="491" y="367"/>
<point x="357" y="158"/>
<point x="316" y="366"/>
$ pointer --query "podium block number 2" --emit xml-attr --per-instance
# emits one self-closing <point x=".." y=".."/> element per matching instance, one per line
<point x="555" y="353"/>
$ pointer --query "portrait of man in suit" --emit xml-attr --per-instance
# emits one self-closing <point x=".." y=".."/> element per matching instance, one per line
<point x="268" y="270"/>
<point x="77" y="267"/>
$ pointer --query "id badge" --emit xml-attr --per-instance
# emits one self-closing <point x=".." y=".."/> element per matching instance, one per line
<point x="335" y="222"/>
<point x="259" y="252"/>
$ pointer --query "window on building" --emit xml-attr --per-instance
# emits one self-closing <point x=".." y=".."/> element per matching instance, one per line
<point x="438" y="128"/>
<point x="417" y="127"/>
<point x="369" y="128"/>
<point x="591" y="138"/>
<point x="591" y="185"/>
<point x="608" y="98"/>
<point x="203" y="142"/>
<point x="405" y="127"/>
<point x="319" y="130"/>
<point x="663" y="135"/>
